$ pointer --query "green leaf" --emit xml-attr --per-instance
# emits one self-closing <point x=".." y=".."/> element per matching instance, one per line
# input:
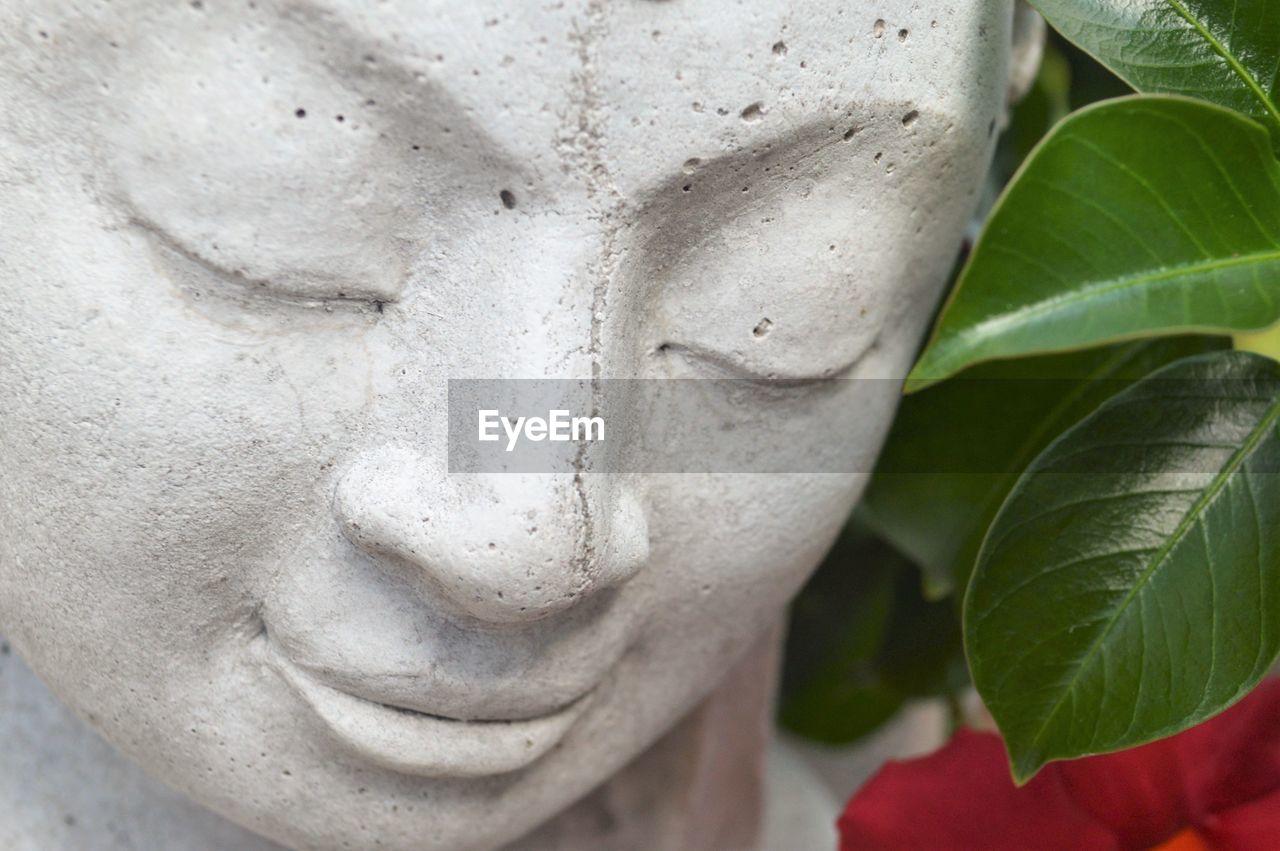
<point x="1130" y="586"/>
<point x="1137" y="217"/>
<point x="861" y="642"/>
<point x="956" y="449"/>
<point x="1090" y="81"/>
<point x="1223" y="51"/>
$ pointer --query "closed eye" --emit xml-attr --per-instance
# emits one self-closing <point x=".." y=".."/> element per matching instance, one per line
<point x="197" y="273"/>
<point x="722" y="366"/>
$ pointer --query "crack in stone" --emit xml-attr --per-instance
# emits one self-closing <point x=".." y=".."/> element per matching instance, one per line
<point x="586" y="151"/>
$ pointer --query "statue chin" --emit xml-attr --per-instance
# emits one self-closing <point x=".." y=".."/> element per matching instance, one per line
<point x="248" y="246"/>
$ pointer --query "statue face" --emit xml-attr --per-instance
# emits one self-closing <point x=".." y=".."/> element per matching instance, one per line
<point x="245" y="246"/>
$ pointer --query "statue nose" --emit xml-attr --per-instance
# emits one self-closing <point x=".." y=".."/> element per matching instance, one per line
<point x="503" y="548"/>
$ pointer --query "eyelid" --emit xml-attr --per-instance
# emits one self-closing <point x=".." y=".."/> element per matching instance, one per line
<point x="259" y="289"/>
<point x="731" y="369"/>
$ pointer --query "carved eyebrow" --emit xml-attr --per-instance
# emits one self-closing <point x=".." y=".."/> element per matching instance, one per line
<point x="800" y="148"/>
<point x="358" y="56"/>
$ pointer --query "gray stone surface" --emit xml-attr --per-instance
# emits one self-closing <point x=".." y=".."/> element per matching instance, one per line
<point x="243" y="246"/>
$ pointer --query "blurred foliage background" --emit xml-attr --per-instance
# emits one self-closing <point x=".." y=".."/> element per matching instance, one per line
<point x="876" y="626"/>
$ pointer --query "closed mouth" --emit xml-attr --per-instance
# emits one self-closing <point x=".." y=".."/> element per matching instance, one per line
<point x="418" y="743"/>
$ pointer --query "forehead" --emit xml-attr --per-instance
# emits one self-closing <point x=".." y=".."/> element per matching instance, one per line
<point x="639" y="87"/>
<point x="627" y="90"/>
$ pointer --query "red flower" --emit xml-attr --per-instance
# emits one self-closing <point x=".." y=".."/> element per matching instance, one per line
<point x="1215" y="787"/>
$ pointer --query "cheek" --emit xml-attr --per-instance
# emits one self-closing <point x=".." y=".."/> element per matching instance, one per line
<point x="742" y="543"/>
<point x="731" y="550"/>
<point x="155" y="461"/>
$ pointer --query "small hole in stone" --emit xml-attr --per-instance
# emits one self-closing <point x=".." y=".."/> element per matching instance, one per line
<point x="754" y="112"/>
<point x="688" y="187"/>
<point x="879" y="28"/>
<point x="508" y="199"/>
<point x="879" y="156"/>
<point x="762" y="327"/>
<point x="416" y="147"/>
<point x="339" y="118"/>
<point x="902" y="34"/>
<point x="851" y="132"/>
<point x="779" y="48"/>
<point x="691" y="165"/>
<point x="300" y="112"/>
<point x="910" y="118"/>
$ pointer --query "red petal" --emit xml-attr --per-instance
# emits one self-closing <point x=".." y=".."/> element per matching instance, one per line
<point x="1217" y="785"/>
<point x="1235" y="757"/>
<point x="1148" y="794"/>
<point x="1139" y="794"/>
<point x="1245" y="828"/>
<point x="961" y="798"/>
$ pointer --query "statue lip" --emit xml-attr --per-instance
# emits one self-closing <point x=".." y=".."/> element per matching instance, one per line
<point x="414" y="742"/>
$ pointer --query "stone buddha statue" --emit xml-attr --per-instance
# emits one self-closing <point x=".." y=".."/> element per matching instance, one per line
<point x="245" y="244"/>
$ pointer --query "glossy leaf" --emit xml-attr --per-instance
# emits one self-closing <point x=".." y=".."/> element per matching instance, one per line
<point x="1130" y="586"/>
<point x="1137" y="217"/>
<point x="1224" y="51"/>
<point x="956" y="449"/>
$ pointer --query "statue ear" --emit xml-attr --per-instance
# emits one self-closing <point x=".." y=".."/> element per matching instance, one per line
<point x="1028" y="49"/>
